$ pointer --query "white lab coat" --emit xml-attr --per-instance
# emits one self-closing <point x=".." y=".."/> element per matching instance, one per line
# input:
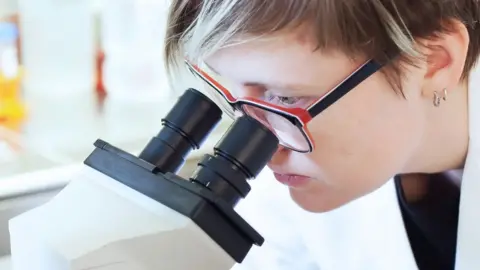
<point x="367" y="234"/>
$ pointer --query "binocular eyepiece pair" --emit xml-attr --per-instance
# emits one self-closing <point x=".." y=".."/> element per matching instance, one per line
<point x="240" y="155"/>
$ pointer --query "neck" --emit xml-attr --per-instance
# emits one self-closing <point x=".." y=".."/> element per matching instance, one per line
<point x="444" y="144"/>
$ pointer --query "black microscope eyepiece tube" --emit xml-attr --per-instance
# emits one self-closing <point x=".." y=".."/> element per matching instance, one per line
<point x="241" y="154"/>
<point x="185" y="128"/>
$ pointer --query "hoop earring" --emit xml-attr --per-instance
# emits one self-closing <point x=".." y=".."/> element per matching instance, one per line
<point x="437" y="99"/>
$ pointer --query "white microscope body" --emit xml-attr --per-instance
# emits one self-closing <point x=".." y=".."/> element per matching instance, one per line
<point x="122" y="212"/>
<point x="99" y="223"/>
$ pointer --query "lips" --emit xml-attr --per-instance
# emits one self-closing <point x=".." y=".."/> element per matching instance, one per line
<point x="292" y="180"/>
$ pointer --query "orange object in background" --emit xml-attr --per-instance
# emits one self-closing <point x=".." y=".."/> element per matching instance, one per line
<point x="12" y="110"/>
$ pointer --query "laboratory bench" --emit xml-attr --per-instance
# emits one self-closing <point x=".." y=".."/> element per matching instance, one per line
<point x="37" y="160"/>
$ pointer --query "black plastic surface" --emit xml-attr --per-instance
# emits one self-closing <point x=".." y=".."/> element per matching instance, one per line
<point x="165" y="155"/>
<point x="185" y="128"/>
<point x="244" y="150"/>
<point x="211" y="213"/>
<point x="195" y="115"/>
<point x="248" y="143"/>
<point x="223" y="178"/>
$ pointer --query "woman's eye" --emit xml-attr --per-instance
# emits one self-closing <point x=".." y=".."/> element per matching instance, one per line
<point x="280" y="100"/>
<point x="288" y="100"/>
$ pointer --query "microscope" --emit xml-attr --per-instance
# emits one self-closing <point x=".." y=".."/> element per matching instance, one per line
<point x="123" y="212"/>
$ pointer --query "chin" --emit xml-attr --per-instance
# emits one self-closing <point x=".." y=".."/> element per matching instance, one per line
<point x="316" y="202"/>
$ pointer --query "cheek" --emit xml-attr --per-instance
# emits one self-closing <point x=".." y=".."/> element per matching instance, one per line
<point x="366" y="137"/>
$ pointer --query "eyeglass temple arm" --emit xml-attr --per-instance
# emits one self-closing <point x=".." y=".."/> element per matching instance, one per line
<point x="345" y="87"/>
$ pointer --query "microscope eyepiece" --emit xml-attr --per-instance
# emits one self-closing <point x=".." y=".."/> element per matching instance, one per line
<point x="185" y="128"/>
<point x="240" y="155"/>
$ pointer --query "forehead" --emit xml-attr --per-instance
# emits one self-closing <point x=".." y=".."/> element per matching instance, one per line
<point x="283" y="59"/>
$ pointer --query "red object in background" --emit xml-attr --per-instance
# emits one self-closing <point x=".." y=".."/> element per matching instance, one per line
<point x="100" y="87"/>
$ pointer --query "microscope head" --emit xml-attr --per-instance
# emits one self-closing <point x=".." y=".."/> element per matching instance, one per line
<point x="127" y="212"/>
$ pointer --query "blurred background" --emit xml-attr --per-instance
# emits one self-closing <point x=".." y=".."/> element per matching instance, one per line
<point x="72" y="71"/>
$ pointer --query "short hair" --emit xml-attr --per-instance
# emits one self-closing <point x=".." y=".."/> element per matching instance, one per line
<point x="377" y="29"/>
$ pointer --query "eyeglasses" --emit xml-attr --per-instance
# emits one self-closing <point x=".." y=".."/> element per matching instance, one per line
<point x="289" y="124"/>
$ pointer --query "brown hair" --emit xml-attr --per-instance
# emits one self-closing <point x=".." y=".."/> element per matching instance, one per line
<point x="377" y="29"/>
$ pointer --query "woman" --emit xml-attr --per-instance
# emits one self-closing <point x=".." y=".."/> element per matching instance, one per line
<point x="376" y="104"/>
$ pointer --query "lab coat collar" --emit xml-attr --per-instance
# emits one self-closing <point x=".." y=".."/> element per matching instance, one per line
<point x="468" y="239"/>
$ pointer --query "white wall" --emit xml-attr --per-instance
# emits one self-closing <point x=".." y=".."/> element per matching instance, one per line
<point x="8" y="7"/>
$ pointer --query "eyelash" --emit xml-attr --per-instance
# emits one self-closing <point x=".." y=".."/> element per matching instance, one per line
<point x="281" y="100"/>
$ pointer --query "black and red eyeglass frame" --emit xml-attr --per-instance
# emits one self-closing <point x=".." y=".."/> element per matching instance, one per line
<point x="298" y="117"/>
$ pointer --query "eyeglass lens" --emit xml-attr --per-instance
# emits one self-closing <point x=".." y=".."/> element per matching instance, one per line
<point x="289" y="135"/>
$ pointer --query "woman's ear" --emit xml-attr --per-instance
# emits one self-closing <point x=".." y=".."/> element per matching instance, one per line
<point x="445" y="59"/>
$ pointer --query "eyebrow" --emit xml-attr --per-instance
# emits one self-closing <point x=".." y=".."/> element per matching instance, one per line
<point x="281" y="87"/>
